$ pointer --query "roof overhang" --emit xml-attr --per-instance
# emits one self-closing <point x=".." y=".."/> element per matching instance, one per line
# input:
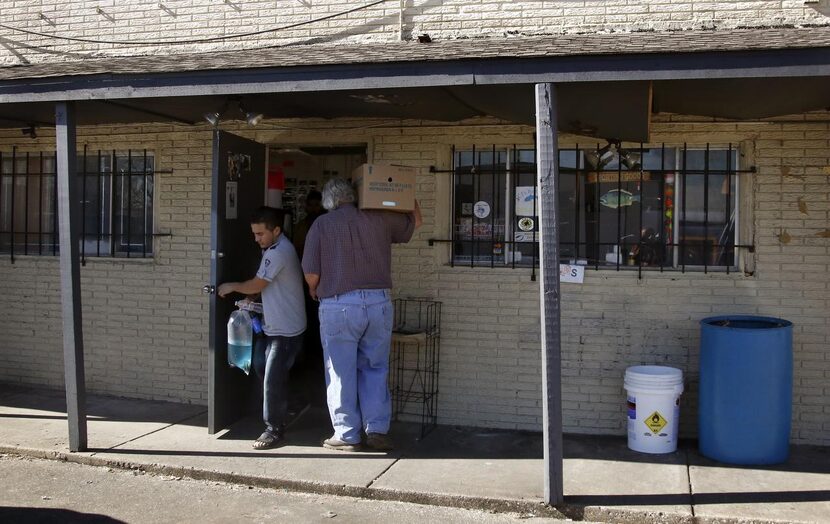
<point x="792" y="63"/>
<point x="606" y="88"/>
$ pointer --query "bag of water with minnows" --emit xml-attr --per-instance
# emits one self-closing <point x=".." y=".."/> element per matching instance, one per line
<point x="240" y="340"/>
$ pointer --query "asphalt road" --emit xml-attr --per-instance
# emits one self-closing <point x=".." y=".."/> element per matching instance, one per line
<point x="35" y="490"/>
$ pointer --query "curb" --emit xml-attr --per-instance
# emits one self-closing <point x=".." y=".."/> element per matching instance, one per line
<point x="529" y="508"/>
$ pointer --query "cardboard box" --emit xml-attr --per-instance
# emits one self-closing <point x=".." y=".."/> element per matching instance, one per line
<point x="383" y="186"/>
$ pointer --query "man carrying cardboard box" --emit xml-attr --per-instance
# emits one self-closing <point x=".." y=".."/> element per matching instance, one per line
<point x="347" y="263"/>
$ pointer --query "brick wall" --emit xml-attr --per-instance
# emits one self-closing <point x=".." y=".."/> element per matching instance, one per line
<point x="150" y="20"/>
<point x="146" y="321"/>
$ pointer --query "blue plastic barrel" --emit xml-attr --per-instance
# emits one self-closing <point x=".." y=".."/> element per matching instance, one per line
<point x="746" y="384"/>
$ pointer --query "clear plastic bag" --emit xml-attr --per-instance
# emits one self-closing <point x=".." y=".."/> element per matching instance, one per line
<point x="240" y="341"/>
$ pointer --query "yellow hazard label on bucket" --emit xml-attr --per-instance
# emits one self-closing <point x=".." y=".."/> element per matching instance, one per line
<point x="655" y="422"/>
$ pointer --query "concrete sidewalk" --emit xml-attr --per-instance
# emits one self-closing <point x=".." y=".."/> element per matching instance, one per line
<point x="465" y="467"/>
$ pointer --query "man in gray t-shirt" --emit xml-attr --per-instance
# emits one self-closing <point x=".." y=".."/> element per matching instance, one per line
<point x="280" y="281"/>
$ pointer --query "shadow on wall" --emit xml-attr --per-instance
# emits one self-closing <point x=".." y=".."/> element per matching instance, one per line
<point x="14" y="48"/>
<point x="364" y="28"/>
<point x="822" y="7"/>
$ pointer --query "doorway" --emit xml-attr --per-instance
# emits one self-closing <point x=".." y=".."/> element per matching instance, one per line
<point x="300" y="172"/>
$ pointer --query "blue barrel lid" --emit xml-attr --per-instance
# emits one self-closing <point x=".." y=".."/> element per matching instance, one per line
<point x="745" y="322"/>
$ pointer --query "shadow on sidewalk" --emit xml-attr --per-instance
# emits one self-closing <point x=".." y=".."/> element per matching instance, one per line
<point x="50" y="404"/>
<point x="48" y="515"/>
<point x="759" y="497"/>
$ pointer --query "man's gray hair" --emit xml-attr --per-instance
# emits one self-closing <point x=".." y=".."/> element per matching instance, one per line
<point x="337" y="191"/>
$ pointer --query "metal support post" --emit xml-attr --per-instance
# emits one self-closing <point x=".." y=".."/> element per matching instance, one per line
<point x="70" y="223"/>
<point x="548" y="175"/>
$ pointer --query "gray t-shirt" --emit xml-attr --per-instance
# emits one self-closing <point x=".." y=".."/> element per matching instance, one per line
<point x="283" y="302"/>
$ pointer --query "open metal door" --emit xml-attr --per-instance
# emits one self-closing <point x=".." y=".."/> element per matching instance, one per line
<point x="238" y="189"/>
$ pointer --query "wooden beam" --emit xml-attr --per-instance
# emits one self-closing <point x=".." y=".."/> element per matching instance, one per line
<point x="69" y="218"/>
<point x="548" y="179"/>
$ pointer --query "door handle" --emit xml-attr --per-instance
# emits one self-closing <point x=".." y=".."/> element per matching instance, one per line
<point x="209" y="290"/>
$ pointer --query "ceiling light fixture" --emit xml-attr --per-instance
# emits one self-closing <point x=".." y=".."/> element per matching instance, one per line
<point x="630" y="159"/>
<point x="250" y="117"/>
<point x="600" y="157"/>
<point x="597" y="159"/>
<point x="212" y="118"/>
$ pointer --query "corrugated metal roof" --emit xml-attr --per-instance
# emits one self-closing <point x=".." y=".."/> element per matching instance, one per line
<point x="443" y="50"/>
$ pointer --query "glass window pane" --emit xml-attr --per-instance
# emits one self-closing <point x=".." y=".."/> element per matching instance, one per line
<point x="480" y="184"/>
<point x="133" y="199"/>
<point x="707" y="212"/>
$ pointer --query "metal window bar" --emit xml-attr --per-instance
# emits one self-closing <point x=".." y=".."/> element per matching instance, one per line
<point x="729" y="260"/>
<point x="144" y="238"/>
<point x="453" y="210"/>
<point x="619" y="214"/>
<point x="535" y="247"/>
<point x="597" y="215"/>
<point x="113" y="203"/>
<point x="40" y="206"/>
<point x="514" y="182"/>
<point x="640" y="232"/>
<point x="99" y="185"/>
<point x="83" y="206"/>
<point x="577" y="208"/>
<point x="477" y="186"/>
<point x="683" y="175"/>
<point x="26" y="208"/>
<point x="706" y="211"/>
<point x="664" y="248"/>
<point x="492" y="249"/>
<point x="54" y="209"/>
<point x="2" y="177"/>
<point x="129" y="199"/>
<point x="11" y="206"/>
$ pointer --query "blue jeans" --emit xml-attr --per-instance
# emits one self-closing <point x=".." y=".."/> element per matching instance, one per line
<point x="280" y="353"/>
<point x="356" y="332"/>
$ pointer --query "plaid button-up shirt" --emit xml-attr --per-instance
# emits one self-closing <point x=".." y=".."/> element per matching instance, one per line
<point x="351" y="249"/>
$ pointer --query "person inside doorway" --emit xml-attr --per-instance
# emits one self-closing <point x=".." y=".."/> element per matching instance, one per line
<point x="309" y="369"/>
<point x="347" y="263"/>
<point x="313" y="210"/>
<point x="280" y="282"/>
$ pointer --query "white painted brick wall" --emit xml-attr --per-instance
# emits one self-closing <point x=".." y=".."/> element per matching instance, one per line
<point x="146" y="321"/>
<point x="143" y="319"/>
<point x="490" y="364"/>
<point x="147" y="20"/>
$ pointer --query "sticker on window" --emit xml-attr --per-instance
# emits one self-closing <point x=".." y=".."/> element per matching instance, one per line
<point x="481" y="209"/>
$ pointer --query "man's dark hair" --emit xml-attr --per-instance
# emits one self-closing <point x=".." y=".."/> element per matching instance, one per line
<point x="314" y="195"/>
<point x="269" y="216"/>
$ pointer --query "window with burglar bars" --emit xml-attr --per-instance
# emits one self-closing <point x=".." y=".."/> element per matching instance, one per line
<point x="116" y="197"/>
<point x="644" y="208"/>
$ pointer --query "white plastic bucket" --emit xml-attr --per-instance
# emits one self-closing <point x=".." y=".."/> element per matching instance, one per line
<point x="653" y="407"/>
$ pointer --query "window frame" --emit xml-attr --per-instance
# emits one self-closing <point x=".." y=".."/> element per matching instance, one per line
<point x="736" y="198"/>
